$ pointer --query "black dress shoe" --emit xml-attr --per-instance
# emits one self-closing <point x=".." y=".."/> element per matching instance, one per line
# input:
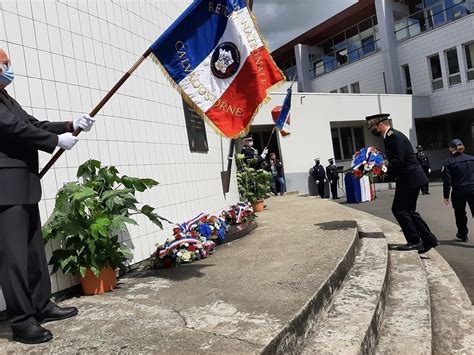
<point x="32" y="334"/>
<point x="428" y="247"/>
<point x="56" y="313"/>
<point x="410" y="246"/>
<point x="464" y="238"/>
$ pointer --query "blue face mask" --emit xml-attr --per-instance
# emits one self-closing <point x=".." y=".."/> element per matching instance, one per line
<point x="6" y="75"/>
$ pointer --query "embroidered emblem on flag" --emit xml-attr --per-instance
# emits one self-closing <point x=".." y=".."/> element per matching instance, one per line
<point x="215" y="56"/>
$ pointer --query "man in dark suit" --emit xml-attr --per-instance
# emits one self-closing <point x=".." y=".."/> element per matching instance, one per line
<point x="333" y="177"/>
<point x="319" y="177"/>
<point x="252" y="157"/>
<point x="425" y="164"/>
<point x="24" y="275"/>
<point x="409" y="176"/>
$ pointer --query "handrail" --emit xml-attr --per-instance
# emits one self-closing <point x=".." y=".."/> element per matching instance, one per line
<point x="323" y="63"/>
<point x="432" y="15"/>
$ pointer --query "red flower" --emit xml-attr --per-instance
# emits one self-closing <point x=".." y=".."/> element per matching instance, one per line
<point x="192" y="247"/>
<point x="358" y="173"/>
<point x="376" y="170"/>
<point x="176" y="230"/>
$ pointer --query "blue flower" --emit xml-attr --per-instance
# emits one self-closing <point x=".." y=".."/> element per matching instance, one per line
<point x="204" y="230"/>
<point x="221" y="233"/>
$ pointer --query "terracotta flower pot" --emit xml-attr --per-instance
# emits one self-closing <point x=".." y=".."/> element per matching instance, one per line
<point x="258" y="206"/>
<point x="92" y="285"/>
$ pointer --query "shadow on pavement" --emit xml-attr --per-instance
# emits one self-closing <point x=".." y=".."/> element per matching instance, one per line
<point x="337" y="225"/>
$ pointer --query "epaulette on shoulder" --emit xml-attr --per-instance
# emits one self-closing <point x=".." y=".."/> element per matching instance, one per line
<point x="390" y="132"/>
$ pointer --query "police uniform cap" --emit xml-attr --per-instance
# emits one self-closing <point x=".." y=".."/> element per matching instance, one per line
<point x="374" y="119"/>
<point x="316" y="159"/>
<point x="248" y="138"/>
<point x="455" y="143"/>
<point x="419" y="146"/>
<point x="331" y="159"/>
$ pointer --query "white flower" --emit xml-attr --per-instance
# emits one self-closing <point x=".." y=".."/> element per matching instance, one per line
<point x="384" y="168"/>
<point x="367" y="167"/>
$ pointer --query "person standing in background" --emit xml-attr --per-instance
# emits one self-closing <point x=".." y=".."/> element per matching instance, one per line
<point x="458" y="175"/>
<point x="319" y="177"/>
<point x="425" y="164"/>
<point x="333" y="177"/>
<point x="275" y="166"/>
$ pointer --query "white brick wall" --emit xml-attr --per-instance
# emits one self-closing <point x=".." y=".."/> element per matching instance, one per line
<point x="368" y="72"/>
<point x="66" y="55"/>
<point x="415" y="53"/>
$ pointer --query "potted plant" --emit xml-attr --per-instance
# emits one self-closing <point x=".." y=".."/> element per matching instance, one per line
<point x="86" y="222"/>
<point x="254" y="184"/>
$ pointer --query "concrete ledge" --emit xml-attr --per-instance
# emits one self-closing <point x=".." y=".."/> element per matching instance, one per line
<point x="451" y="308"/>
<point x="294" y="334"/>
<point x="354" y="319"/>
<point x="406" y="327"/>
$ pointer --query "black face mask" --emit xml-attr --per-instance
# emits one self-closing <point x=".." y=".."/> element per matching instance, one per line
<point x="376" y="133"/>
<point x="317" y="162"/>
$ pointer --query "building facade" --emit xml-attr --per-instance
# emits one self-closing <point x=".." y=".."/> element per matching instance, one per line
<point x="423" y="48"/>
<point x="66" y="56"/>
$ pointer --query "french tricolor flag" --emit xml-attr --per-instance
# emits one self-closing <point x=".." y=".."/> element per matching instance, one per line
<point x="216" y="57"/>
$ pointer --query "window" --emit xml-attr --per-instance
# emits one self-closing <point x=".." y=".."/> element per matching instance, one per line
<point x="355" y="88"/>
<point x="436" y="75"/>
<point x="431" y="134"/>
<point x="336" y="143"/>
<point x="456" y="9"/>
<point x="453" y="67"/>
<point x="406" y="72"/>
<point x="346" y="141"/>
<point x="344" y="89"/>
<point x="469" y="49"/>
<point x="436" y="16"/>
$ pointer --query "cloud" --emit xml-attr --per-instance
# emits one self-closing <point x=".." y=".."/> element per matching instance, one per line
<point x="282" y="20"/>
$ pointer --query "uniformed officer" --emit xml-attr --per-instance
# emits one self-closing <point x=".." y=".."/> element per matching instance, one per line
<point x="408" y="173"/>
<point x="251" y="153"/>
<point x="425" y="164"/>
<point x="319" y="177"/>
<point x="333" y="177"/>
<point x="458" y="174"/>
<point x="24" y="274"/>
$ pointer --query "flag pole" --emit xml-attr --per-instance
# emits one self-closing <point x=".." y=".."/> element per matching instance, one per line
<point x="274" y="127"/>
<point x="98" y="107"/>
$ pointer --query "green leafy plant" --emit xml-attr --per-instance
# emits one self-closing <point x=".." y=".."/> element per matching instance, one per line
<point x="253" y="184"/>
<point x="89" y="215"/>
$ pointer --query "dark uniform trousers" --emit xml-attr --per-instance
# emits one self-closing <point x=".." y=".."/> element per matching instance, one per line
<point x="24" y="275"/>
<point x="459" y="199"/>
<point x="409" y="179"/>
<point x="410" y="221"/>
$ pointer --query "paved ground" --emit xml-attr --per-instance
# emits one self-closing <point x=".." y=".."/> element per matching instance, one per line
<point x="441" y="221"/>
<point x="236" y="301"/>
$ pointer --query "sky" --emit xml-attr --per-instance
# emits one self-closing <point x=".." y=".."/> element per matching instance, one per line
<point x="282" y="20"/>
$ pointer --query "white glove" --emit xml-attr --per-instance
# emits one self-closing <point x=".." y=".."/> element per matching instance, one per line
<point x="325" y="180"/>
<point x="264" y="153"/>
<point x="330" y="181"/>
<point x="84" y="122"/>
<point x="429" y="171"/>
<point x="317" y="181"/>
<point x="66" y="141"/>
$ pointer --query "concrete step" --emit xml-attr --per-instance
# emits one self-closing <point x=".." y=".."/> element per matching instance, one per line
<point x="406" y="327"/>
<point x="352" y="323"/>
<point x="451" y="309"/>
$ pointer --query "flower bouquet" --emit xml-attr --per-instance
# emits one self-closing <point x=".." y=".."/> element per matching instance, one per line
<point x="192" y="240"/>
<point x="239" y="213"/>
<point x="370" y="162"/>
